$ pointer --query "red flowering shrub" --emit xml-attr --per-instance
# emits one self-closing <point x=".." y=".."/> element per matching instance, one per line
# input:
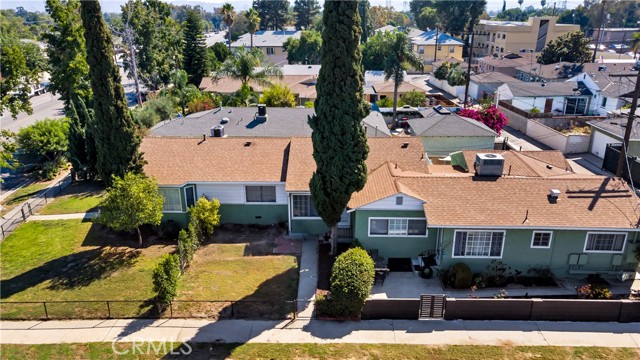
<point x="491" y="116"/>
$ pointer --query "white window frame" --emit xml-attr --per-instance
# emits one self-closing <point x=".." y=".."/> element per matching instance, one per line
<point x="533" y="236"/>
<point x="195" y="197"/>
<point x="179" y="198"/>
<point x="426" y="230"/>
<point x="270" y="51"/>
<point x="453" y="244"/>
<point x="624" y="242"/>
<point x="293" y="216"/>
<point x="261" y="202"/>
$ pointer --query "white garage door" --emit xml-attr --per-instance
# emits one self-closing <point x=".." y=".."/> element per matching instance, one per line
<point x="599" y="144"/>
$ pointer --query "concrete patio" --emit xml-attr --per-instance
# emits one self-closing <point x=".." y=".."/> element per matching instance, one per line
<point x="408" y="285"/>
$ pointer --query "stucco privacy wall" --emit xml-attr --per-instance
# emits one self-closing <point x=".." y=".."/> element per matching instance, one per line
<point x="568" y="144"/>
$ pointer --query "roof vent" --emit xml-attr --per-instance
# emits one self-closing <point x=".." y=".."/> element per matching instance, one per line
<point x="442" y="110"/>
<point x="217" y="131"/>
<point x="405" y="145"/>
<point x="489" y="164"/>
<point x="261" y="115"/>
<point x="224" y="120"/>
<point x="247" y="144"/>
<point x="553" y="195"/>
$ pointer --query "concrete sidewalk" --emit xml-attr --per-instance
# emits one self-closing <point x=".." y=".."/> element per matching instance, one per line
<point x="86" y="216"/>
<point x="432" y="332"/>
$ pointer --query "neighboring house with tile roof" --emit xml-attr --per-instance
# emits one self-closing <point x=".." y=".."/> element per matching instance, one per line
<point x="538" y="214"/>
<point x="443" y="132"/>
<point x="243" y="122"/>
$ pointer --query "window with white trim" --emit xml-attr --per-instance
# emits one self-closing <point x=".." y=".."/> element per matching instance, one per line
<point x="541" y="239"/>
<point x="302" y="206"/>
<point x="260" y="193"/>
<point x="269" y="51"/>
<point x="397" y="227"/>
<point x="172" y="199"/>
<point x="478" y="244"/>
<point x="605" y="242"/>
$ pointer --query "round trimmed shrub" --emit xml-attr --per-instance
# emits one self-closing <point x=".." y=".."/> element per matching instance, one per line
<point x="351" y="281"/>
<point x="462" y="276"/>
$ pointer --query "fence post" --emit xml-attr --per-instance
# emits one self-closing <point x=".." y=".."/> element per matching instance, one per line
<point x="171" y="309"/>
<point x="108" y="311"/>
<point x="46" y="313"/>
<point x="24" y="218"/>
<point x="45" y="197"/>
<point x="29" y="205"/>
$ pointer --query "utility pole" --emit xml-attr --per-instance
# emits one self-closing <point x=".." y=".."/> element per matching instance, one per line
<point x="466" y="86"/>
<point x="435" y="52"/>
<point x="134" y="67"/>
<point x="627" y="132"/>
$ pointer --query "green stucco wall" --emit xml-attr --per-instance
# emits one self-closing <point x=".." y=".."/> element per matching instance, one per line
<point x="308" y="226"/>
<point x="181" y="218"/>
<point x="391" y="247"/>
<point x="518" y="254"/>
<point x="252" y="214"/>
<point x="444" y="145"/>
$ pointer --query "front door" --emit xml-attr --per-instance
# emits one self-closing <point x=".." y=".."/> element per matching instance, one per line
<point x="548" y="104"/>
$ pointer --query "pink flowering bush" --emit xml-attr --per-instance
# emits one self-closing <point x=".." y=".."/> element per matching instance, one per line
<point x="490" y="116"/>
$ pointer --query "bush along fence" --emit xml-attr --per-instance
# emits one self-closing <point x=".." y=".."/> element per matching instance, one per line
<point x="127" y="309"/>
<point x="8" y="225"/>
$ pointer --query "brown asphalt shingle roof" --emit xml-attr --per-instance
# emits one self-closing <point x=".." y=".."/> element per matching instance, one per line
<point x="593" y="202"/>
<point x="381" y="150"/>
<point x="526" y="163"/>
<point x="175" y="161"/>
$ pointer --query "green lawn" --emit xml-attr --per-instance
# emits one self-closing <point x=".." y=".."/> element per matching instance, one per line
<point x="73" y="260"/>
<point x="21" y="195"/>
<point x="76" y="198"/>
<point x="311" y="351"/>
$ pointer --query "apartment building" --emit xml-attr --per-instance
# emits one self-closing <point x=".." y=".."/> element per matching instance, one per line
<point x="501" y="37"/>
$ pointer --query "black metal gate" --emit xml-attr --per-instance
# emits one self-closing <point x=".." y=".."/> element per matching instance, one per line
<point x="432" y="306"/>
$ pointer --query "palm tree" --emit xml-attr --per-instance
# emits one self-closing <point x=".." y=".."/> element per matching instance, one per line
<point x="182" y="90"/>
<point x="243" y="66"/>
<point x="227" y="16"/>
<point x="399" y="57"/>
<point x="543" y="3"/>
<point x="253" y="17"/>
<point x="520" y="3"/>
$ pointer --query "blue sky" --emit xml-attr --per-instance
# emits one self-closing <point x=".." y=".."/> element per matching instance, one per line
<point x="114" y="5"/>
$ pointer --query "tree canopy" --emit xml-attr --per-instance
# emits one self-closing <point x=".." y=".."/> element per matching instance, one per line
<point x="305" y="11"/>
<point x="195" y="57"/>
<point x="570" y="47"/>
<point x="398" y="58"/>
<point x="273" y="13"/>
<point x="278" y="96"/>
<point x="339" y="155"/>
<point x="67" y="52"/>
<point x="131" y="201"/>
<point x="247" y="65"/>
<point x="306" y="49"/>
<point x="113" y="129"/>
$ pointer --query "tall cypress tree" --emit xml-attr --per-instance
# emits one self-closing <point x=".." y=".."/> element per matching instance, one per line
<point x="77" y="149"/>
<point x="365" y="20"/>
<point x="339" y="142"/>
<point x="113" y="129"/>
<point x="194" y="52"/>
